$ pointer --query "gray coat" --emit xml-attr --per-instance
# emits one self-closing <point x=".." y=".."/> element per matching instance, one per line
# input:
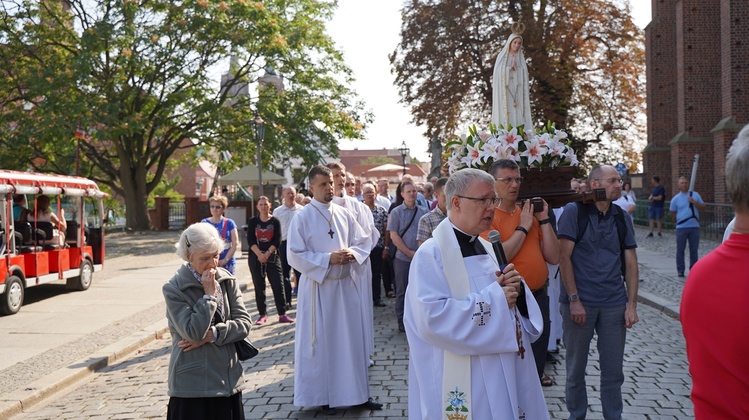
<point x="212" y="370"/>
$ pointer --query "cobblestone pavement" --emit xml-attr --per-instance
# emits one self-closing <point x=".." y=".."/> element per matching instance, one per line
<point x="657" y="382"/>
<point x="660" y="279"/>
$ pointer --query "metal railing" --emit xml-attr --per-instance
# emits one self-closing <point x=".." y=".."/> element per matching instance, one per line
<point x="177" y="215"/>
<point x="713" y="220"/>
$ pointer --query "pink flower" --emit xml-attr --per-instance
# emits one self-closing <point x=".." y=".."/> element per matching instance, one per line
<point x="534" y="152"/>
<point x="511" y="138"/>
<point x="572" y="157"/>
<point x="544" y="139"/>
<point x="484" y="136"/>
<point x="473" y="156"/>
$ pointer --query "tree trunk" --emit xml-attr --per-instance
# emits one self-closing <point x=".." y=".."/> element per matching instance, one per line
<point x="134" y="187"/>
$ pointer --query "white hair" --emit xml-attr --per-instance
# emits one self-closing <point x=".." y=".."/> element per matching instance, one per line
<point x="462" y="180"/>
<point x="737" y="172"/>
<point x="199" y="238"/>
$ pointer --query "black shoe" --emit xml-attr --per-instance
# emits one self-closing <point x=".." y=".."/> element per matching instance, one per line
<point x="371" y="405"/>
<point x="650" y="235"/>
<point x="401" y="328"/>
<point x="328" y="410"/>
<point x="681" y="274"/>
<point x="288" y="306"/>
<point x="379" y="303"/>
<point x="659" y="235"/>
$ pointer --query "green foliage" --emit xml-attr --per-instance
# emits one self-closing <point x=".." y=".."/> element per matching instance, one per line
<point x="165" y="188"/>
<point x="137" y="77"/>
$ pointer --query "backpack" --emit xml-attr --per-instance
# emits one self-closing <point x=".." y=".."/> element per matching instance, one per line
<point x="583" y="211"/>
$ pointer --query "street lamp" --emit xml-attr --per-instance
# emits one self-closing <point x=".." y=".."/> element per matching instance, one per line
<point x="259" y="126"/>
<point x="404" y="154"/>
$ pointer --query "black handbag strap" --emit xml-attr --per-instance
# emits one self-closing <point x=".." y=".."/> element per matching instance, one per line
<point x="409" y="223"/>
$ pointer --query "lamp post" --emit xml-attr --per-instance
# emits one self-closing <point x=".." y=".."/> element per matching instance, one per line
<point x="259" y="126"/>
<point x="404" y="154"/>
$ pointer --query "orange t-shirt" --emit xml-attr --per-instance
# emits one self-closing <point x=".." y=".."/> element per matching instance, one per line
<point x="529" y="261"/>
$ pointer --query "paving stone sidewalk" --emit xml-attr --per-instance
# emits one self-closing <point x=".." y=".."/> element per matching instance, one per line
<point x="657" y="382"/>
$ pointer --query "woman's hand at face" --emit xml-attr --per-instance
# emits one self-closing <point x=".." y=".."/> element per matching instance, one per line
<point x="209" y="281"/>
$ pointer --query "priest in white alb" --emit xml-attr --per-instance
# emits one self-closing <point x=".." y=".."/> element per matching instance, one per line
<point x="327" y="245"/>
<point x="363" y="273"/>
<point x="469" y="325"/>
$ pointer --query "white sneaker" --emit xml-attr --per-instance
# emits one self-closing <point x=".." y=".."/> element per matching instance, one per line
<point x="371" y="362"/>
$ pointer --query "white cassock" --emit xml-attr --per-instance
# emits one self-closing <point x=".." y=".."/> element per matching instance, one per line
<point x="329" y="350"/>
<point x="555" y="287"/>
<point x="363" y="216"/>
<point x="503" y="386"/>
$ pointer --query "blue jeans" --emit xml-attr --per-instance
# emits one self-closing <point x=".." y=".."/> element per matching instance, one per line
<point x="682" y="236"/>
<point x="608" y="323"/>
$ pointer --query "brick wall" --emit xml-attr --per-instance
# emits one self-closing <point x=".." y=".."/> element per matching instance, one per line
<point x="698" y="89"/>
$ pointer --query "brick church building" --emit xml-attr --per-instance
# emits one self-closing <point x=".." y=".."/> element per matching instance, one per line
<point x="697" y="90"/>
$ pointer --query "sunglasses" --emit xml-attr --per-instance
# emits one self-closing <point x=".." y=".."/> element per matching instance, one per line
<point x="217" y="207"/>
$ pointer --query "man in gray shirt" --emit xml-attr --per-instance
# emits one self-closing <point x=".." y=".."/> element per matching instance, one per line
<point x="403" y="225"/>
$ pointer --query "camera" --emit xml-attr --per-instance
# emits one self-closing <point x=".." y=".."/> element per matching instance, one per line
<point x="538" y="204"/>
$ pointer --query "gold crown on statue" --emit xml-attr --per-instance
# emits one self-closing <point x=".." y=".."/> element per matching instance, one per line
<point x="518" y="28"/>
<point x="456" y="417"/>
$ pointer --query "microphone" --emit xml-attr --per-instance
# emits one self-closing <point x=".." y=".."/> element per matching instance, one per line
<point x="496" y="240"/>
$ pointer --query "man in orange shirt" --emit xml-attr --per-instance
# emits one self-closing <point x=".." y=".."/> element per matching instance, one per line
<point x="529" y="242"/>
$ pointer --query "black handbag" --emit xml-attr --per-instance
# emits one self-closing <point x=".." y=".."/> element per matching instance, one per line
<point x="245" y="349"/>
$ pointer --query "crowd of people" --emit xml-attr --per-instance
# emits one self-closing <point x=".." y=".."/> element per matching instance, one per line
<point x="485" y="286"/>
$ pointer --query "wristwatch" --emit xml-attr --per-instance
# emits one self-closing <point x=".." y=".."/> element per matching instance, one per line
<point x="574" y="297"/>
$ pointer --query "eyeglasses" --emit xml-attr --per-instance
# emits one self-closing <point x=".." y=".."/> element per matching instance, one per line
<point x="486" y="202"/>
<point x="217" y="207"/>
<point x="508" y="180"/>
<point x="349" y="184"/>
<point x="612" y="180"/>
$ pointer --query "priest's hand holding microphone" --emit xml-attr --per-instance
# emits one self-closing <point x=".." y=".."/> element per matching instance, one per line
<point x="507" y="277"/>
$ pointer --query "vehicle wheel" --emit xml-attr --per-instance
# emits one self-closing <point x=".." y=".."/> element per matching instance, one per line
<point x="12" y="299"/>
<point x="83" y="281"/>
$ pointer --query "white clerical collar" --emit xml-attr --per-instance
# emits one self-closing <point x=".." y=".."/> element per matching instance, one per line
<point x="473" y="237"/>
<point x="341" y="201"/>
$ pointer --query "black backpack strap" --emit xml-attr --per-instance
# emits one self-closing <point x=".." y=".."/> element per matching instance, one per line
<point x="621" y="230"/>
<point x="693" y="216"/>
<point x="582" y="220"/>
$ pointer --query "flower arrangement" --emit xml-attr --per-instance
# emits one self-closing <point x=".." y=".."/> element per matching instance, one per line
<point x="548" y="148"/>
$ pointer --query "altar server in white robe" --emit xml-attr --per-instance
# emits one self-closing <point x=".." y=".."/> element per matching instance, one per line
<point x="327" y="245"/>
<point x="470" y="326"/>
<point x="363" y="216"/>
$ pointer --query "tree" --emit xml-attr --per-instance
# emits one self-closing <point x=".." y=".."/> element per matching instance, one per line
<point x="137" y="77"/>
<point x="586" y="63"/>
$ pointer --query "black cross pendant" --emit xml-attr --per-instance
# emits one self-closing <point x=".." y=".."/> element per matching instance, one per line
<point x="330" y="232"/>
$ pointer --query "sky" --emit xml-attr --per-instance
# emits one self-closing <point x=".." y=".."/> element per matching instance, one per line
<point x="367" y="31"/>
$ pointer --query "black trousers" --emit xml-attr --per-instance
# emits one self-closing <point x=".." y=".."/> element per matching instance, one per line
<point x="272" y="269"/>
<point x="286" y="272"/>
<point x="388" y="277"/>
<point x="375" y="260"/>
<point x="541" y="346"/>
<point x="224" y="408"/>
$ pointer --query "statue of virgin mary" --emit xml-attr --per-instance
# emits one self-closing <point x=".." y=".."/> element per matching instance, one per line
<point x="510" y="99"/>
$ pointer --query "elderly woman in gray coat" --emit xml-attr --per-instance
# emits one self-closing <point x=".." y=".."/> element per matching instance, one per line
<point x="206" y="317"/>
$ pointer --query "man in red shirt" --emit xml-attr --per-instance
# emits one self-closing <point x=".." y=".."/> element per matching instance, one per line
<point x="715" y="307"/>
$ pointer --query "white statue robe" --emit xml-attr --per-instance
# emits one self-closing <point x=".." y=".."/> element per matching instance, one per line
<point x="510" y="89"/>
<point x="503" y="386"/>
<point x="364" y="217"/>
<point x="330" y="367"/>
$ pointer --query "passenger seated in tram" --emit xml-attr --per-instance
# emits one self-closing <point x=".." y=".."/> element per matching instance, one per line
<point x="45" y="214"/>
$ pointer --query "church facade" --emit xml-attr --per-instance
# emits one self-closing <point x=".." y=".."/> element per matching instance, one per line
<point x="697" y="90"/>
